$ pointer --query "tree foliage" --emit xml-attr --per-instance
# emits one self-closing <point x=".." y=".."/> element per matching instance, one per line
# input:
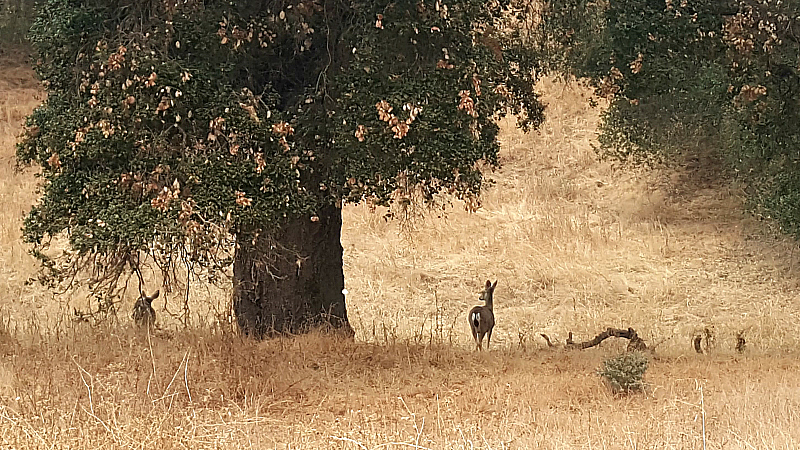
<point x="683" y="74"/>
<point x="170" y="127"/>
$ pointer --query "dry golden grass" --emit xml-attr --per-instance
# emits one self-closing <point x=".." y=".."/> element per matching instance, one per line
<point x="19" y="94"/>
<point x="115" y="389"/>
<point x="577" y="246"/>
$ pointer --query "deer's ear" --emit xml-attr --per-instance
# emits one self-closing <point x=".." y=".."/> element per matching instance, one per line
<point x="488" y="284"/>
<point x="495" y="284"/>
<point x="155" y="296"/>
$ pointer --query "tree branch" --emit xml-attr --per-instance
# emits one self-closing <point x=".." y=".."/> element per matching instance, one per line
<point x="636" y="343"/>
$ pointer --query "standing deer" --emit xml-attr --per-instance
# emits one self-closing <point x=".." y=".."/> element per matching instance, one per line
<point x="481" y="318"/>
<point x="143" y="313"/>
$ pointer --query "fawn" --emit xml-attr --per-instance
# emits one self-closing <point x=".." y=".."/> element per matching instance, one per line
<point x="143" y="313"/>
<point x="481" y="318"/>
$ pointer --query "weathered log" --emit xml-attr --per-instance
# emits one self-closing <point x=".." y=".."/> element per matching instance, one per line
<point x="696" y="342"/>
<point x="636" y="343"/>
<point x="740" y="342"/>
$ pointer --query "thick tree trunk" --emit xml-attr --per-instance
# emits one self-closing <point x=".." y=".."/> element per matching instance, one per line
<point x="291" y="279"/>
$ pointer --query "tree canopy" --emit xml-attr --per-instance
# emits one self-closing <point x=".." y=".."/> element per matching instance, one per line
<point x="685" y="74"/>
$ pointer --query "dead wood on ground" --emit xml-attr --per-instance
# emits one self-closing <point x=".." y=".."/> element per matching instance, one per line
<point x="636" y="343"/>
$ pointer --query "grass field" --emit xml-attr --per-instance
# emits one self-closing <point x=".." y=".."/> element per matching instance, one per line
<point x="577" y="246"/>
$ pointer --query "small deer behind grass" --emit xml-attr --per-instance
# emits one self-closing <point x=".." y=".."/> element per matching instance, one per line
<point x="143" y="313"/>
<point x="481" y="318"/>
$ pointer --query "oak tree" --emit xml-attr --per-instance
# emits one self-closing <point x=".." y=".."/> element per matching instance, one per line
<point x="210" y="134"/>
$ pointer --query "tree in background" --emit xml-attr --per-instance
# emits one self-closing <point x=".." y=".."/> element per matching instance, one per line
<point x="694" y="74"/>
<point x="204" y="135"/>
<point x="15" y="18"/>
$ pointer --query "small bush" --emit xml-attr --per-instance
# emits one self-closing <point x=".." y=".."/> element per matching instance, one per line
<point x="624" y="373"/>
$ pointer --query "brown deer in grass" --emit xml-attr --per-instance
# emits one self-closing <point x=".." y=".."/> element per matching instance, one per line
<point x="481" y="318"/>
<point x="143" y="313"/>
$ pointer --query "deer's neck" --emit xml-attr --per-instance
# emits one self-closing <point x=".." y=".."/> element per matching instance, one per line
<point x="489" y="302"/>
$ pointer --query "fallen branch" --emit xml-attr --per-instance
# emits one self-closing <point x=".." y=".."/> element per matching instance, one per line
<point x="636" y="343"/>
<point x="741" y="343"/>
<point x="697" y="340"/>
<point x="547" y="338"/>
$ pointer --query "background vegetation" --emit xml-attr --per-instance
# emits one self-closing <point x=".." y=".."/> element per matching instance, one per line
<point x="16" y="17"/>
<point x="708" y="78"/>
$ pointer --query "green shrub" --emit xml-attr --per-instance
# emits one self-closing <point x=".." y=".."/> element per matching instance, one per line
<point x="624" y="373"/>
